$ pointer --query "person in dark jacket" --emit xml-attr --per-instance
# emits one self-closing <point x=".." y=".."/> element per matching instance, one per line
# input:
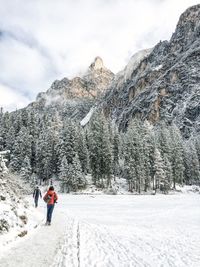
<point x="50" y="198"/>
<point x="36" y="195"/>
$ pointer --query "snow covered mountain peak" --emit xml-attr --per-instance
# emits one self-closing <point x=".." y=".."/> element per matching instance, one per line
<point x="74" y="97"/>
<point x="187" y="29"/>
<point x="133" y="63"/>
<point x="97" y="64"/>
<point x="162" y="84"/>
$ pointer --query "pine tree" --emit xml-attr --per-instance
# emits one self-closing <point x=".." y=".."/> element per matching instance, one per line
<point x="148" y="145"/>
<point x="192" y="166"/>
<point x="68" y="144"/>
<point x="24" y="117"/>
<point x="34" y="133"/>
<point x="4" y="128"/>
<point x="39" y="168"/>
<point x="159" y="175"/>
<point x="100" y="151"/>
<point x="83" y="151"/>
<point x="134" y="155"/>
<point x="17" y="123"/>
<point x="115" y="152"/>
<point x="196" y="142"/>
<point x="177" y="156"/>
<point x="168" y="171"/>
<point x="10" y="139"/>
<point x="164" y="142"/>
<point x="48" y="152"/>
<point x="94" y="143"/>
<point x="78" y="176"/>
<point x="25" y="170"/>
<point x="64" y="175"/>
<point x="165" y="145"/>
<point x="45" y="151"/>
<point x="21" y="149"/>
<point x="106" y="154"/>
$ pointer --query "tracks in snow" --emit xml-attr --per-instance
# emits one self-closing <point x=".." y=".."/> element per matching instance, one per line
<point x="91" y="245"/>
<point x="68" y="254"/>
<point x="78" y="245"/>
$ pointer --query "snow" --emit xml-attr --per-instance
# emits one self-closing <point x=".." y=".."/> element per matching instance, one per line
<point x="133" y="64"/>
<point x="157" y="68"/>
<point x="3" y="161"/>
<point x="87" y="118"/>
<point x="188" y="189"/>
<point x="122" y="230"/>
<point x="119" y="186"/>
<point x="16" y="225"/>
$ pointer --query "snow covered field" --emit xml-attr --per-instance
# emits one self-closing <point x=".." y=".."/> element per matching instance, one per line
<point x="122" y="230"/>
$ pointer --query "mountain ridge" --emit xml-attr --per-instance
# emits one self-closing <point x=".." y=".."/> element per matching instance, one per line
<point x="157" y="84"/>
<point x="75" y="96"/>
<point x="164" y="86"/>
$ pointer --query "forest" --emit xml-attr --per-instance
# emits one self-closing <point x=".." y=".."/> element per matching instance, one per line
<point x="46" y="147"/>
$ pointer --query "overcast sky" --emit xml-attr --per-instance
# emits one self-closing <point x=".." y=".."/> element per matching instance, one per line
<point x="44" y="40"/>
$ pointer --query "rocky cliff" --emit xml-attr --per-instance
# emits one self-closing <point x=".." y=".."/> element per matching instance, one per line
<point x="75" y="97"/>
<point x="164" y="83"/>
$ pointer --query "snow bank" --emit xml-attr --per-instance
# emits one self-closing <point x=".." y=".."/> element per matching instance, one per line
<point x="118" y="186"/>
<point x="16" y="215"/>
<point x="87" y="117"/>
<point x="188" y="189"/>
<point x="157" y="68"/>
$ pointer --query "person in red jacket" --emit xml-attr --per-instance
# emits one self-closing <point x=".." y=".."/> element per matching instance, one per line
<point x="50" y="198"/>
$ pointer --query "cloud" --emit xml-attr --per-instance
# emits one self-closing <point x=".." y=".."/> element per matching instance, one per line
<point x="41" y="41"/>
<point x="11" y="100"/>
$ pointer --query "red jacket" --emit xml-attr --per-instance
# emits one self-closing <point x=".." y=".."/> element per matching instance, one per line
<point x="53" y="196"/>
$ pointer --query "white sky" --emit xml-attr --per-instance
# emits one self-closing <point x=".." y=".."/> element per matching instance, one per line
<point x="44" y="40"/>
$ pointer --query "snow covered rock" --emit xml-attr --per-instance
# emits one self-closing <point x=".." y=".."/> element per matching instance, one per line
<point x="164" y="84"/>
<point x="97" y="64"/>
<point x="3" y="161"/>
<point x="133" y="63"/>
<point x="14" y="211"/>
<point x="87" y="118"/>
<point x="74" y="98"/>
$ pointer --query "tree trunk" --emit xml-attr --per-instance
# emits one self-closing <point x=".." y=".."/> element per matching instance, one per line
<point x="174" y="183"/>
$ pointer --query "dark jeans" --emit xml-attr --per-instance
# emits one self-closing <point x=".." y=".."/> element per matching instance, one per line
<point x="50" y="208"/>
<point x="36" y="202"/>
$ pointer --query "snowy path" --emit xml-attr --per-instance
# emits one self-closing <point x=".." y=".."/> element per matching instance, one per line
<point x="115" y="231"/>
<point x="40" y="247"/>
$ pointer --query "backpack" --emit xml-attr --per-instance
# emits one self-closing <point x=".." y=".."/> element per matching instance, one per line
<point x="47" y="198"/>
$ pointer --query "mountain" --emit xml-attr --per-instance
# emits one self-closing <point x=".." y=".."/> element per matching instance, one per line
<point x="75" y="97"/>
<point x="163" y="83"/>
<point x="158" y="84"/>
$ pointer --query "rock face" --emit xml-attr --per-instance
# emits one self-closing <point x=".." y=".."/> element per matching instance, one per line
<point x="97" y="64"/>
<point x="75" y="97"/>
<point x="165" y="82"/>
